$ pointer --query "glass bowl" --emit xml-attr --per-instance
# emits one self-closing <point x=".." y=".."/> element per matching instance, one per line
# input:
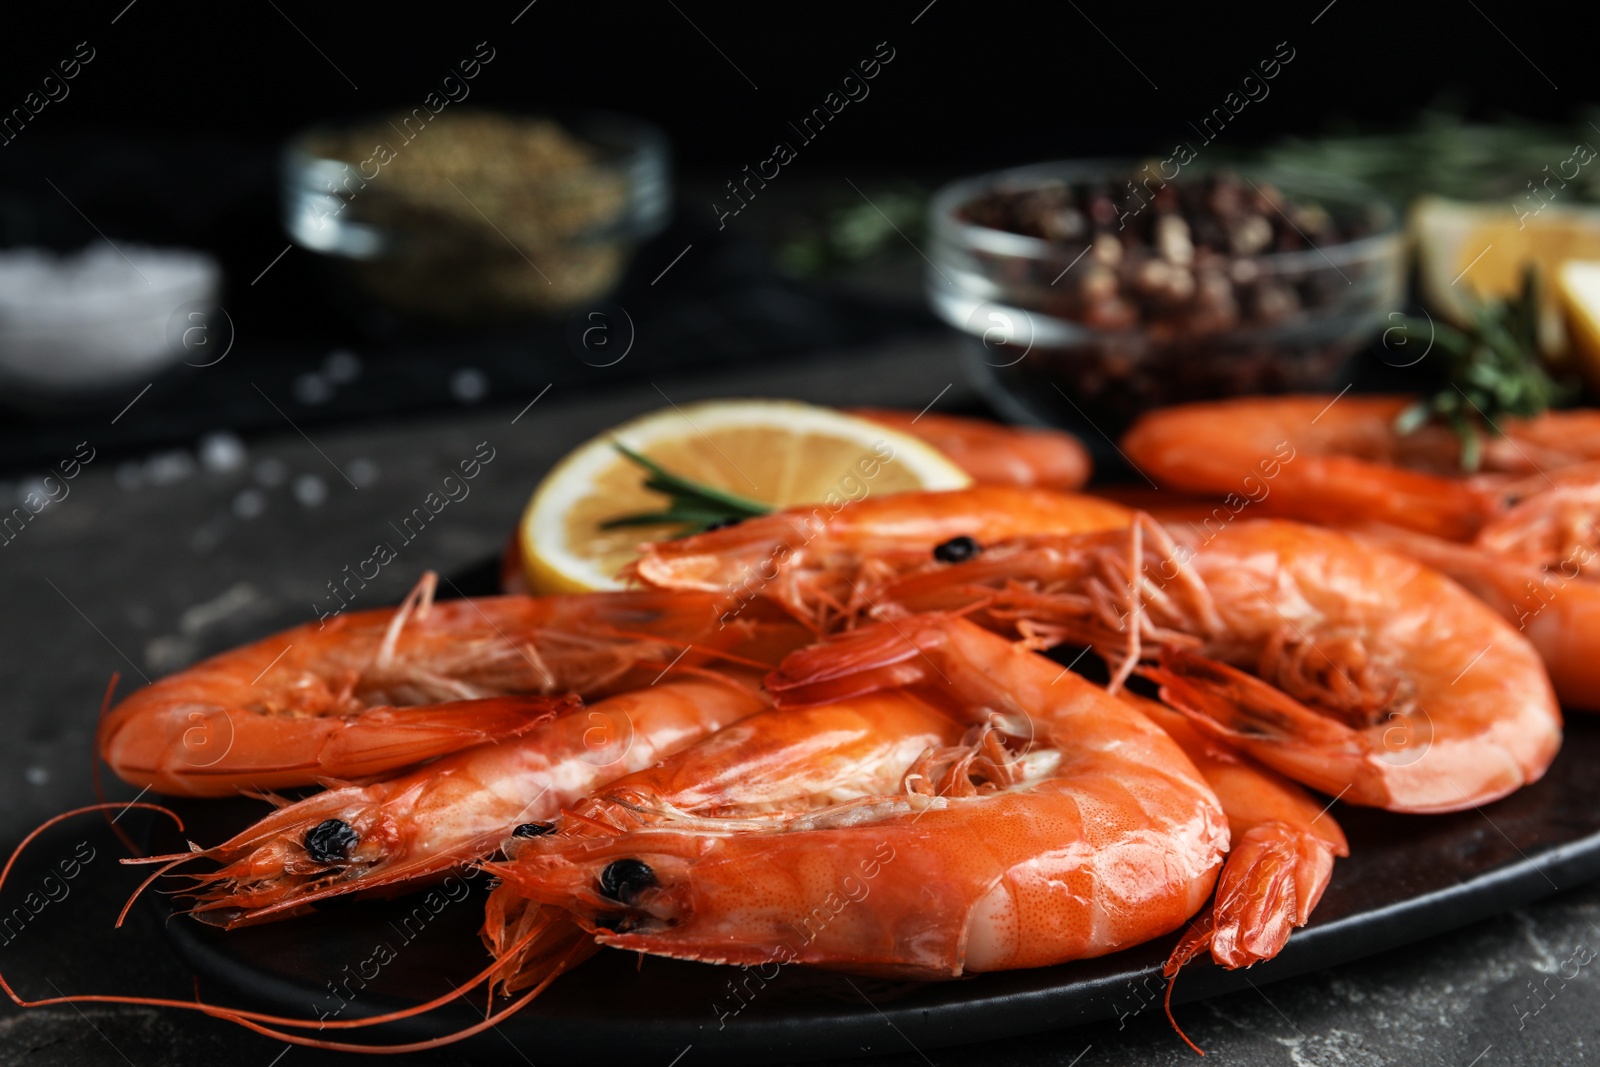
<point x="80" y="329"/>
<point x="512" y="217"/>
<point x="1071" y="333"/>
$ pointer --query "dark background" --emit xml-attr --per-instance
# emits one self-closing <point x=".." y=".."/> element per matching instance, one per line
<point x="171" y="135"/>
<point x="973" y="85"/>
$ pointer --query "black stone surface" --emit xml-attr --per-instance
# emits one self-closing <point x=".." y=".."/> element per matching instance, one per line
<point x="142" y="574"/>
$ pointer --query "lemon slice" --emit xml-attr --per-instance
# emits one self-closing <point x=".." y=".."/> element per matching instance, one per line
<point x="776" y="452"/>
<point x="1482" y="248"/>
<point x="1578" y="285"/>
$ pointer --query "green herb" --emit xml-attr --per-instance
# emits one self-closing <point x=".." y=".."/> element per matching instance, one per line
<point x="1492" y="369"/>
<point x="1442" y="154"/>
<point x="855" y="233"/>
<point x="690" y="504"/>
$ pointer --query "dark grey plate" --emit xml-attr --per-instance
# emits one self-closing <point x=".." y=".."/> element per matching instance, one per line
<point x="1407" y="878"/>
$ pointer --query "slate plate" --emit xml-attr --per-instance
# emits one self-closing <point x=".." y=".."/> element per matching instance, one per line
<point x="1408" y="877"/>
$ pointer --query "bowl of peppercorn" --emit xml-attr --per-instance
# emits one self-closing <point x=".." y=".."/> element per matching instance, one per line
<point x="1093" y="291"/>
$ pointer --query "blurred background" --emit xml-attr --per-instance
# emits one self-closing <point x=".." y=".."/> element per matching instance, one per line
<point x="183" y="130"/>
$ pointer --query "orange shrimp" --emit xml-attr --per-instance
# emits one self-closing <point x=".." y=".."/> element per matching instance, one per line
<point x="1554" y="603"/>
<point x="769" y="765"/>
<point x="374" y="691"/>
<point x="1396" y="688"/>
<point x="1340" y="460"/>
<point x="993" y="453"/>
<point x="1376" y="678"/>
<point x="815" y="563"/>
<point x="390" y="835"/>
<point x="1282" y="841"/>
<point x="1099" y="836"/>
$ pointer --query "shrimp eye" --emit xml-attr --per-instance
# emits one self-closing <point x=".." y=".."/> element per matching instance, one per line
<point x="331" y="841"/>
<point x="957" y="550"/>
<point x="722" y="524"/>
<point x="623" y="880"/>
<point x="533" y="829"/>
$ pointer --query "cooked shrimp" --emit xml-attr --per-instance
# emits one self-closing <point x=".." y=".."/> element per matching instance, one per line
<point x="1319" y="458"/>
<point x="1284" y="843"/>
<point x="1100" y="836"/>
<point x="1554" y="603"/>
<point x="816" y="563"/>
<point x="1398" y="689"/>
<point x="373" y="691"/>
<point x="1283" y="846"/>
<point x="1549" y="523"/>
<point x="1339" y="460"/>
<point x="1377" y="679"/>
<point x="769" y="765"/>
<point x="389" y="835"/>
<point x="995" y="454"/>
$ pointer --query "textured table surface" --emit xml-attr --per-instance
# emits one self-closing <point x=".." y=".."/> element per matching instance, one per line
<point x="149" y="564"/>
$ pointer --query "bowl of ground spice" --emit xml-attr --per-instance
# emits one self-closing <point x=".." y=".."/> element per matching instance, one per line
<point x="472" y="215"/>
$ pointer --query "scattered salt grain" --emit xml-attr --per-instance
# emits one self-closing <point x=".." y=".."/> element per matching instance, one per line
<point x="310" y="490"/>
<point x="469" y="385"/>
<point x="362" y="471"/>
<point x="271" y="472"/>
<point x="342" y="367"/>
<point x="164" y="468"/>
<point x="221" y="452"/>
<point x="249" y="503"/>
<point x="312" y="389"/>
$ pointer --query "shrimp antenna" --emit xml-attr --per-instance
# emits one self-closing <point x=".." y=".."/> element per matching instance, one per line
<point x="254" y="1020"/>
<point x="1176" y="1028"/>
<point x="1190" y="945"/>
<point x="172" y="861"/>
<point x="16" y="853"/>
<point x="249" y="1019"/>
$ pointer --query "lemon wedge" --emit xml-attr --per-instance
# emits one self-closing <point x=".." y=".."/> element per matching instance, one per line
<point x="1481" y="249"/>
<point x="774" y="452"/>
<point x="1578" y="286"/>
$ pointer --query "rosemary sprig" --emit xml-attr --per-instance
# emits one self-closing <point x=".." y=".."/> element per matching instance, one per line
<point x="690" y="504"/>
<point x="1492" y="369"/>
